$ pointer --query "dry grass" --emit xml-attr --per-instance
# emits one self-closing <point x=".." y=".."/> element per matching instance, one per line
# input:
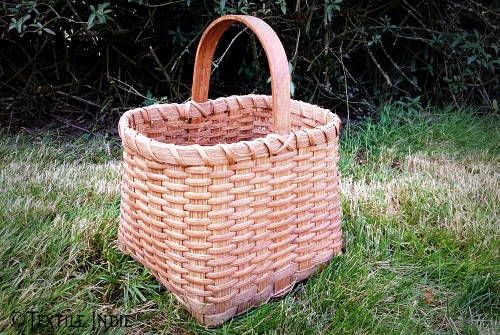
<point x="459" y="195"/>
<point x="420" y="216"/>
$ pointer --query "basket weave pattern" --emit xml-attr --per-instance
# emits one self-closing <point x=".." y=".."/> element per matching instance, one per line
<point x="229" y="202"/>
<point x="226" y="232"/>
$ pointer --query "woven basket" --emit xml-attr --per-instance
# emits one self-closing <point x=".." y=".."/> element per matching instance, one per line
<point x="229" y="202"/>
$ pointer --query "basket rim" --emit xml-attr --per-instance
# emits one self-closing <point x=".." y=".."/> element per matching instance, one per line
<point x="225" y="153"/>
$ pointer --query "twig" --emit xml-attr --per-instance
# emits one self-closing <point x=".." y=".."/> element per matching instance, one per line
<point x="485" y="8"/>
<point x="254" y="52"/>
<point x="447" y="75"/>
<point x="71" y="125"/>
<point x="123" y="55"/>
<point x="128" y="88"/>
<point x="113" y="86"/>
<point x="311" y="12"/>
<point x="345" y="84"/>
<point x="399" y="69"/>
<point x="317" y="81"/>
<point x="163" y="4"/>
<point x="147" y="23"/>
<point x="256" y="59"/>
<point x="411" y="11"/>
<point x="91" y="103"/>
<point x="23" y="91"/>
<point x="55" y="60"/>
<point x="186" y="49"/>
<point x="294" y="58"/>
<point x="173" y="87"/>
<point x="104" y="33"/>
<point x="73" y="10"/>
<point x="217" y="62"/>
<point x="384" y="74"/>
<point x="107" y="61"/>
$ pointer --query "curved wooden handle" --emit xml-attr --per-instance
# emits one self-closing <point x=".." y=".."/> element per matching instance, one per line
<point x="276" y="57"/>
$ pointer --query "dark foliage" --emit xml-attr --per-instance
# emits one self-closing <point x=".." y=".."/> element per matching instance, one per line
<point x="67" y="56"/>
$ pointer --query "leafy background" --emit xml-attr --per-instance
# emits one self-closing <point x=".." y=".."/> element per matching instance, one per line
<point x="72" y="59"/>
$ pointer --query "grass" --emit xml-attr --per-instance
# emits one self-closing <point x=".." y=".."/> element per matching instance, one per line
<point x="419" y="201"/>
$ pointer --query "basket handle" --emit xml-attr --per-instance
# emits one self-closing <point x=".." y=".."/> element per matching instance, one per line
<point x="276" y="57"/>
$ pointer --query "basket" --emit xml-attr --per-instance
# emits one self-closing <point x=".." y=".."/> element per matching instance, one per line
<point x="229" y="202"/>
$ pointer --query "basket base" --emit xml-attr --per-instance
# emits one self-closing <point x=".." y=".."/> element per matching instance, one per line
<point x="207" y="313"/>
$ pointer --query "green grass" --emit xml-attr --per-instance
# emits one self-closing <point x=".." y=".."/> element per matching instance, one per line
<point x="420" y="203"/>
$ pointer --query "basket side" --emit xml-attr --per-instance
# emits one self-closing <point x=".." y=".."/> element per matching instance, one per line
<point x="226" y="237"/>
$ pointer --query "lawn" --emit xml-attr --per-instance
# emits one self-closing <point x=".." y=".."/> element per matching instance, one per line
<point x="419" y="196"/>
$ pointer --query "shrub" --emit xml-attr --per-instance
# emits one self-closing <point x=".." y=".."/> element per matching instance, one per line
<point x="61" y="56"/>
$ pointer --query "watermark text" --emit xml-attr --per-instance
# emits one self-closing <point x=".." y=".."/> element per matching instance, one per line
<point x="37" y="319"/>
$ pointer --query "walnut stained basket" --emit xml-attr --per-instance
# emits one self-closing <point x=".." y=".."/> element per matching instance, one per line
<point x="229" y="202"/>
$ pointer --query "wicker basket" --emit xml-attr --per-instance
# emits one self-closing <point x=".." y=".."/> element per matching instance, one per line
<point x="231" y="201"/>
